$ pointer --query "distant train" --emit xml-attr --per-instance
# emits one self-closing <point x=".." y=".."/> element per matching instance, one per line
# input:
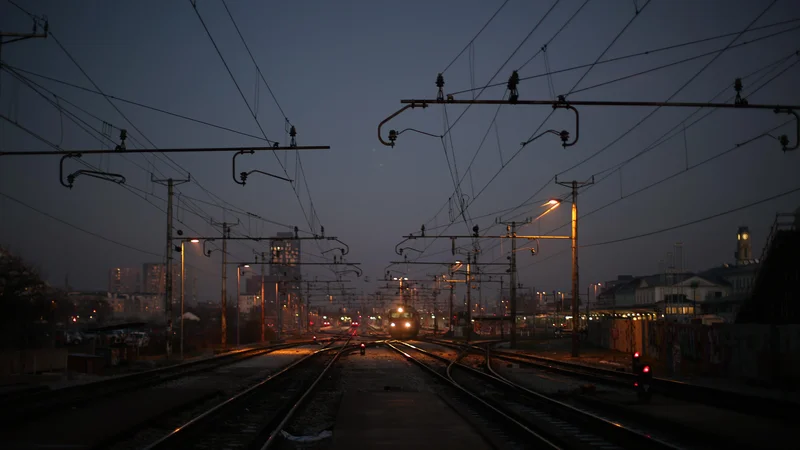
<point x="404" y="322"/>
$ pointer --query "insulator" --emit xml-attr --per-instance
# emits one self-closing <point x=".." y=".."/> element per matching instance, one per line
<point x="783" y="139"/>
<point x="513" y="81"/>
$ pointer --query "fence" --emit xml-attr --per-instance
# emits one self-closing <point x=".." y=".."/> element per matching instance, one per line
<point x="17" y="362"/>
<point x="765" y="353"/>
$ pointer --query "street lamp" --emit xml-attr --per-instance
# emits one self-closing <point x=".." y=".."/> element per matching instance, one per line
<point x="554" y="203"/>
<point x="588" y="290"/>
<point x="238" y="299"/>
<point x="183" y="283"/>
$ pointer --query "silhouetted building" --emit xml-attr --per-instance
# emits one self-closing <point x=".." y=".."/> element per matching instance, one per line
<point x="285" y="256"/>
<point x="775" y="290"/>
<point x="154" y="280"/>
<point x="124" y="280"/>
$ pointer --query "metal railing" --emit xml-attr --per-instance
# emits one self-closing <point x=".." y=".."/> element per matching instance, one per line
<point x="783" y="222"/>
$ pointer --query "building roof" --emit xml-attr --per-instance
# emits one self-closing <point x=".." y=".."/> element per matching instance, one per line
<point x="727" y="270"/>
<point x="629" y="286"/>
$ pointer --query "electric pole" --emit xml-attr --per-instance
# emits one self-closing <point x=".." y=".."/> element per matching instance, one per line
<point x="511" y="230"/>
<point x="469" y="298"/>
<point x="170" y="183"/>
<point x="224" y="320"/>
<point x="308" y="308"/>
<point x="263" y="302"/>
<point x="226" y="235"/>
<point x="435" y="315"/>
<point x="452" y="294"/>
<point x="16" y="37"/>
<point x="278" y="311"/>
<point x="576" y="343"/>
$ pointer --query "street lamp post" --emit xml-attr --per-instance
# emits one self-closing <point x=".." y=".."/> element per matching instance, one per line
<point x="588" y="289"/>
<point x="183" y="285"/>
<point x="238" y="298"/>
<point x="574" y="237"/>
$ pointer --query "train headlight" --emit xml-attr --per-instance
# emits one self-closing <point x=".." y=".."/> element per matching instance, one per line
<point x="392" y="324"/>
<point x="408" y="324"/>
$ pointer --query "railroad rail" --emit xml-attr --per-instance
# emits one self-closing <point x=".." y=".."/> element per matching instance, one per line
<point x="250" y="418"/>
<point x="769" y="407"/>
<point x="556" y="423"/>
<point x="23" y="407"/>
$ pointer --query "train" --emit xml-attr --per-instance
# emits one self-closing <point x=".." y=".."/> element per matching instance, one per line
<point x="403" y="323"/>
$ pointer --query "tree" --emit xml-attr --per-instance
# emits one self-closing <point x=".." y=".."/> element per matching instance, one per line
<point x="30" y="306"/>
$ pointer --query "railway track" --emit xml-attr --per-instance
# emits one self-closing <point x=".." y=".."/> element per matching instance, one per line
<point x="504" y="423"/>
<point x="552" y="423"/>
<point x="25" y="407"/>
<point x="254" y="417"/>
<point x="767" y="407"/>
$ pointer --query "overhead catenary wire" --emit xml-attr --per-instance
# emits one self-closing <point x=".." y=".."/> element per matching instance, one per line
<point x="308" y="217"/>
<point x="100" y="92"/>
<point x="313" y="211"/>
<point x="481" y="91"/>
<point x="541" y="49"/>
<point x="132" y="102"/>
<point x="528" y="36"/>
<point x="641" y="121"/>
<point x="83" y="71"/>
<point x="664" y="137"/>
<point x="76" y="227"/>
<point x="676" y="174"/>
<point x="258" y="69"/>
<point x="191" y="204"/>
<point x="766" y="133"/>
<point x="533" y="136"/>
<point x="680" y="89"/>
<point x="651" y="52"/>
<point x="695" y="221"/>
<point x="98" y="135"/>
<point x="494" y="119"/>
<point x="472" y="41"/>
<point x="682" y="61"/>
<point x="608" y="47"/>
<point x="82" y="125"/>
<point x="127" y="187"/>
<point x="763" y="85"/>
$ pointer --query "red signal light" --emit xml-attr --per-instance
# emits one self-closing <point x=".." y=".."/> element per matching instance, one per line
<point x="363" y="345"/>
<point x="646" y="369"/>
<point x="636" y="355"/>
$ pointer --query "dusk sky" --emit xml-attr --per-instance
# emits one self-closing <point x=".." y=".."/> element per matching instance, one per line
<point x="337" y="69"/>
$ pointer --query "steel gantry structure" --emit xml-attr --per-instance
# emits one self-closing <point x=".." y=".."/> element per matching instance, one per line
<point x="337" y="262"/>
<point x="562" y="102"/>
<point x="511" y="233"/>
<point x="740" y="103"/>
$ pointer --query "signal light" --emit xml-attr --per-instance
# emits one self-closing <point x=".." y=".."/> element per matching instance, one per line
<point x="363" y="348"/>
<point x="636" y="355"/>
<point x="646" y="369"/>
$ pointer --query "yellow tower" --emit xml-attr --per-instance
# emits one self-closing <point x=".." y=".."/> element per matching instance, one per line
<point x="744" y="250"/>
